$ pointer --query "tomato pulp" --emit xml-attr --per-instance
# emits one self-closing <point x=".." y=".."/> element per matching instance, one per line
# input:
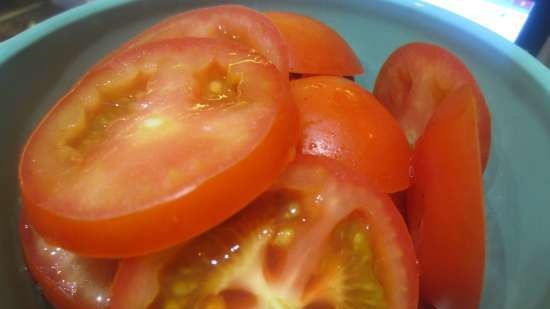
<point x="320" y="238"/>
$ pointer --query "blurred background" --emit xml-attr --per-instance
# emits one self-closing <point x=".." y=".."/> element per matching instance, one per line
<point x="523" y="22"/>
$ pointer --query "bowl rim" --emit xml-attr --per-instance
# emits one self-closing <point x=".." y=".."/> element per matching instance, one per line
<point x="518" y="56"/>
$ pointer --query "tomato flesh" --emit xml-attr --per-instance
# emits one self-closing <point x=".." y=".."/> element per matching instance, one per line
<point x="232" y="22"/>
<point x="125" y="163"/>
<point x="445" y="205"/>
<point x="416" y="78"/>
<point x="68" y="281"/>
<point x="342" y="121"/>
<point x="317" y="239"/>
<point x="314" y="47"/>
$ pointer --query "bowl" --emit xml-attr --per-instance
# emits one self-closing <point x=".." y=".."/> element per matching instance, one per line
<point x="40" y="64"/>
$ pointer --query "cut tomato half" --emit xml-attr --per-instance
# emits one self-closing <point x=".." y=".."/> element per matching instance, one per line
<point x="67" y="280"/>
<point x="416" y="78"/>
<point x="161" y="144"/>
<point x="342" y="121"/>
<point x="314" y="47"/>
<point x="445" y="205"/>
<point x="232" y="22"/>
<point x="320" y="238"/>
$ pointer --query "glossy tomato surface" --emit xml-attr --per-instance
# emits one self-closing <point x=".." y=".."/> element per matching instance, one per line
<point x="236" y="23"/>
<point x="320" y="238"/>
<point x="314" y="47"/>
<point x="162" y="143"/>
<point x="445" y="205"/>
<point x="416" y="78"/>
<point x="67" y="280"/>
<point x="341" y="120"/>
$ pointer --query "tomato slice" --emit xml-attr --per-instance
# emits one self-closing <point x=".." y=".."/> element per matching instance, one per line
<point x="158" y="146"/>
<point x="445" y="205"/>
<point x="416" y="78"/>
<point x="320" y="238"/>
<point x="314" y="47"/>
<point x="342" y="121"/>
<point x="233" y="22"/>
<point x="67" y="280"/>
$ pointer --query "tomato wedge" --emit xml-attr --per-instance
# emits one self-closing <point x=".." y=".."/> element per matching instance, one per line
<point x="68" y="281"/>
<point x="445" y="205"/>
<point x="232" y="22"/>
<point x="416" y="78"/>
<point x="342" y="121"/>
<point x="314" y="47"/>
<point x="159" y="145"/>
<point x="320" y="238"/>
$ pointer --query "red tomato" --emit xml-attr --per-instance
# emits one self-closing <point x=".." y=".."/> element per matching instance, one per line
<point x="342" y="121"/>
<point x="445" y="205"/>
<point x="157" y="146"/>
<point x="233" y="22"/>
<point x="320" y="238"/>
<point x="315" y="48"/>
<point x="416" y="78"/>
<point x="68" y="281"/>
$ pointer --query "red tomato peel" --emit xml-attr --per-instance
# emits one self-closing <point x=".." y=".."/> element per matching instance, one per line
<point x="342" y="121"/>
<point x="315" y="48"/>
<point x="445" y="205"/>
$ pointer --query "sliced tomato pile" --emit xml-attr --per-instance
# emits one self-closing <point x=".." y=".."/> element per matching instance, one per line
<point x="188" y="169"/>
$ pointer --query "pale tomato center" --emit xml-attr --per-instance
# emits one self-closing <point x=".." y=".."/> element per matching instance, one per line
<point x="276" y="255"/>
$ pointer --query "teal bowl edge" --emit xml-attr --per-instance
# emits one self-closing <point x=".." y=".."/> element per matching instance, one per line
<point x="531" y="65"/>
<point x="17" y="43"/>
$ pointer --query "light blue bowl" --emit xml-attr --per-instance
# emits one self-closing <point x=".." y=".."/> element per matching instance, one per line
<point x="39" y="65"/>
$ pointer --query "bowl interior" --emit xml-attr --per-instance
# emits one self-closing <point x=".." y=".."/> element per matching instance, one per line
<point x="516" y="181"/>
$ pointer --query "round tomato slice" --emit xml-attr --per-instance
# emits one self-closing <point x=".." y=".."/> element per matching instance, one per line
<point x="233" y="22"/>
<point x="158" y="146"/>
<point x="68" y="281"/>
<point x="320" y="238"/>
<point x="445" y="205"/>
<point x="315" y="48"/>
<point x="416" y="78"/>
<point x="342" y="121"/>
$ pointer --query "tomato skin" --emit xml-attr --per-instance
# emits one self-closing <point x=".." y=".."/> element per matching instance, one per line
<point x="53" y="270"/>
<point x="415" y="79"/>
<point x="315" y="48"/>
<point x="395" y="260"/>
<point x="234" y="22"/>
<point x="342" y="121"/>
<point x="172" y="220"/>
<point x="445" y="206"/>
